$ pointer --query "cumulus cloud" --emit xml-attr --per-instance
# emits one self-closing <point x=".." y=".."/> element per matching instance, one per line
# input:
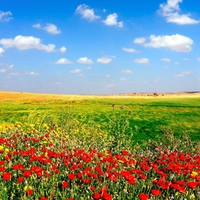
<point x="88" y="68"/>
<point x="123" y="79"/>
<point x="171" y="10"/>
<point x="104" y="60"/>
<point x="127" y="71"/>
<point x="176" y="42"/>
<point x="129" y="50"/>
<point x="32" y="74"/>
<point x="111" y="20"/>
<point x="63" y="49"/>
<point x="5" y="16"/>
<point x="86" y="12"/>
<point x="23" y="74"/>
<point x="198" y="59"/>
<point x="75" y="71"/>
<point x="109" y="86"/>
<point x="1" y="51"/>
<point x="26" y="42"/>
<point x="63" y="61"/>
<point x="107" y="76"/>
<point x="50" y="28"/>
<point x="37" y="26"/>
<point x="14" y="74"/>
<point x="184" y="73"/>
<point x="2" y="70"/>
<point x="142" y="61"/>
<point x="85" y="60"/>
<point x="140" y="40"/>
<point x="166" y="59"/>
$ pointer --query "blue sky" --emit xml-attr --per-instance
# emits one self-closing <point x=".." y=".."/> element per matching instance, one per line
<point x="99" y="46"/>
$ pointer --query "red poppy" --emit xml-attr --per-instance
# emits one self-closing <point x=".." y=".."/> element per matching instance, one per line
<point x="71" y="177"/>
<point x="7" y="176"/>
<point x="43" y="198"/>
<point x="156" y="192"/>
<point x="107" y="196"/>
<point x="92" y="188"/>
<point x="96" y="195"/>
<point x="27" y="173"/>
<point x="192" y="185"/>
<point x="29" y="192"/>
<point x="65" y="184"/>
<point x="20" y="179"/>
<point x="143" y="196"/>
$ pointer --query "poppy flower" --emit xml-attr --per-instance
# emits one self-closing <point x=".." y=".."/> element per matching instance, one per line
<point x="6" y="176"/>
<point x="65" y="184"/>
<point x="96" y="195"/>
<point x="192" y="185"/>
<point x="43" y="198"/>
<point x="156" y="192"/>
<point x="143" y="196"/>
<point x="29" y="192"/>
<point x="20" y="179"/>
<point x="71" y="177"/>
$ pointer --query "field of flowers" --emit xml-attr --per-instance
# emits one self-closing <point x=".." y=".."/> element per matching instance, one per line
<point x="55" y="147"/>
<point x="43" y="161"/>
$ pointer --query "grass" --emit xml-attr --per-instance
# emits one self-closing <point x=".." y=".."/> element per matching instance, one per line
<point x="91" y="147"/>
<point x="149" y="115"/>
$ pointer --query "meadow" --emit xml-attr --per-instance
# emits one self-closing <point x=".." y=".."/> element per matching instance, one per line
<point x="99" y="147"/>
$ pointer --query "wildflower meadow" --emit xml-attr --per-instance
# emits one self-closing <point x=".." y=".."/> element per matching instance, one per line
<point x="43" y="158"/>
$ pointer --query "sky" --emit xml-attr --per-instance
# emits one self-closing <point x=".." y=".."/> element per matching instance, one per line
<point x="99" y="46"/>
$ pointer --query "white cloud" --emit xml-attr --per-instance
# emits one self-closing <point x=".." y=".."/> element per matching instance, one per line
<point x="26" y="42"/>
<point x="63" y="61"/>
<point x="37" y="26"/>
<point x="10" y="67"/>
<point x="142" y="61"/>
<point x="75" y="71"/>
<point x="1" y="50"/>
<point x="176" y="63"/>
<point x="57" y="83"/>
<point x="15" y="74"/>
<point x="107" y="76"/>
<point x="123" y="79"/>
<point x="129" y="50"/>
<point x="86" y="12"/>
<point x="2" y="70"/>
<point x="140" y="40"/>
<point x="127" y="71"/>
<point x="85" y="60"/>
<point x="184" y="73"/>
<point x="32" y="73"/>
<point x="104" y="60"/>
<point x="88" y="68"/>
<point x="63" y="49"/>
<point x="166" y="59"/>
<point x="171" y="10"/>
<point x="109" y="86"/>
<point x="51" y="28"/>
<point x="198" y="59"/>
<point x="5" y="16"/>
<point x="186" y="59"/>
<point x="173" y="42"/>
<point x="111" y="20"/>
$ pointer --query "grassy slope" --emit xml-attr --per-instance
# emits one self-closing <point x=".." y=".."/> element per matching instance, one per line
<point x="178" y="113"/>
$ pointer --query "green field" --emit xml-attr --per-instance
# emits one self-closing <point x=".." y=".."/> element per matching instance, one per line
<point x="99" y="147"/>
<point x="143" y="117"/>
